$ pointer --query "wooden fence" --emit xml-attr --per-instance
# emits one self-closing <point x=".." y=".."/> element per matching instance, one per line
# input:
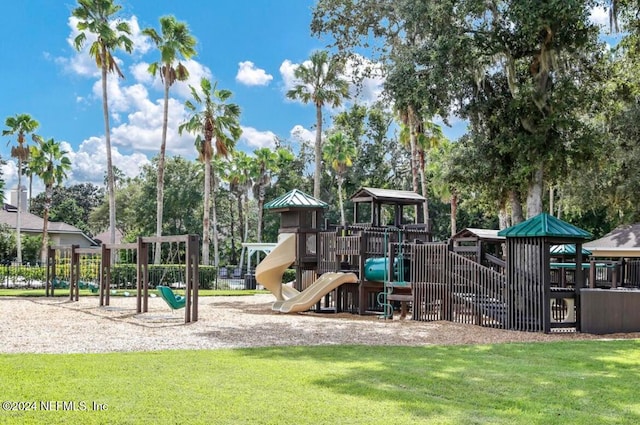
<point x="448" y="286"/>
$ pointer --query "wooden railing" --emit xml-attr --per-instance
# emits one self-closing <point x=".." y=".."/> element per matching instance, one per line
<point x="448" y="286"/>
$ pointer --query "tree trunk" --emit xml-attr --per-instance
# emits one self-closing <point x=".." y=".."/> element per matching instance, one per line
<point x="19" y="214"/>
<point x="240" y="217"/>
<point x="30" y="191"/>
<point x="214" y="221"/>
<point x="503" y="218"/>
<point x="412" y="148"/>
<point x="559" y="214"/>
<point x="516" y="208"/>
<point x="534" y="194"/>
<point x="343" y="220"/>
<point x="423" y="183"/>
<point x="206" y="239"/>
<point x="454" y="213"/>
<point x="261" y="196"/>
<point x="317" y="178"/>
<point x="161" y="161"/>
<point x="45" y="224"/>
<point x="107" y="136"/>
<point x="244" y="225"/>
<point x="414" y="162"/>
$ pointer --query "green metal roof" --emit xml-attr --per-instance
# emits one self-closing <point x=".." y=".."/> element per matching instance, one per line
<point x="545" y="225"/>
<point x="295" y="199"/>
<point x="566" y="249"/>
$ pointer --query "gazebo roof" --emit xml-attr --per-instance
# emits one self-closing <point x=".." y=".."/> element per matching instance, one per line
<point x="390" y="196"/>
<point x="295" y="199"/>
<point x="545" y="225"/>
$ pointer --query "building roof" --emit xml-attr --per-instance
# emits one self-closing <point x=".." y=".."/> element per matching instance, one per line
<point x="623" y="241"/>
<point x="104" y="236"/>
<point x="545" y="225"/>
<point x="295" y="199"/>
<point x="391" y="196"/>
<point x="31" y="223"/>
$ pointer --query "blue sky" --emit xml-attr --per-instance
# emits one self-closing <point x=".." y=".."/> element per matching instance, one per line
<point x="250" y="47"/>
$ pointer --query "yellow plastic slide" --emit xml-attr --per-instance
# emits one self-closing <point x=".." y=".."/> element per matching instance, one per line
<point x="314" y="293"/>
<point x="270" y="270"/>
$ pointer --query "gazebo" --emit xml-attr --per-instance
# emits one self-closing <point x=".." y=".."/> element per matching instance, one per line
<point x="529" y="272"/>
<point x="377" y="198"/>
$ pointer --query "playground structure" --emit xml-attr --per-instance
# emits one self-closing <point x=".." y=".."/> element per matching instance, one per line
<point x="187" y="245"/>
<point x="503" y="279"/>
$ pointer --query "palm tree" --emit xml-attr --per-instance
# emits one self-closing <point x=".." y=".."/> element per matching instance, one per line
<point x="240" y="182"/>
<point x="96" y="17"/>
<point x="321" y="82"/>
<point x="175" y="40"/>
<point x="50" y="163"/>
<point x="428" y="136"/>
<point x="265" y="162"/>
<point x="339" y="151"/>
<point x="20" y="125"/>
<point x="215" y="121"/>
<point x="440" y="170"/>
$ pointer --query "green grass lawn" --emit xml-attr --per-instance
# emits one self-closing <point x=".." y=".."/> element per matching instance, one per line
<point x="586" y="382"/>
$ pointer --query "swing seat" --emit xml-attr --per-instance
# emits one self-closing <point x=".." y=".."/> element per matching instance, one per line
<point x="60" y="284"/>
<point x="174" y="301"/>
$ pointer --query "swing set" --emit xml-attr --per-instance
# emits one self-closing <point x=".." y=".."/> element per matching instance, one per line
<point x="142" y="251"/>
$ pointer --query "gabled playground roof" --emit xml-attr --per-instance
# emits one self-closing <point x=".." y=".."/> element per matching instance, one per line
<point x="545" y="225"/>
<point x="484" y="234"/>
<point x="295" y="199"/>
<point x="391" y="196"/>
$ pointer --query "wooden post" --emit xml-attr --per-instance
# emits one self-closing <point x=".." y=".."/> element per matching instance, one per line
<point x="578" y="284"/>
<point x="51" y="271"/>
<point x="545" y="311"/>
<point x="74" y="271"/>
<point x="592" y="274"/>
<point x="192" y="278"/>
<point x="142" y="277"/>
<point x="105" y="275"/>
<point x="362" y="297"/>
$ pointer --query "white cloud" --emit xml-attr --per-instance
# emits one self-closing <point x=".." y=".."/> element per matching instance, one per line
<point x="140" y="72"/>
<point x="258" y="139"/>
<point x="599" y="16"/>
<point x="370" y="78"/>
<point x="302" y="134"/>
<point x="365" y="79"/>
<point x="143" y="129"/>
<point x="89" y="163"/>
<point x="287" y="70"/>
<point x="249" y="75"/>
